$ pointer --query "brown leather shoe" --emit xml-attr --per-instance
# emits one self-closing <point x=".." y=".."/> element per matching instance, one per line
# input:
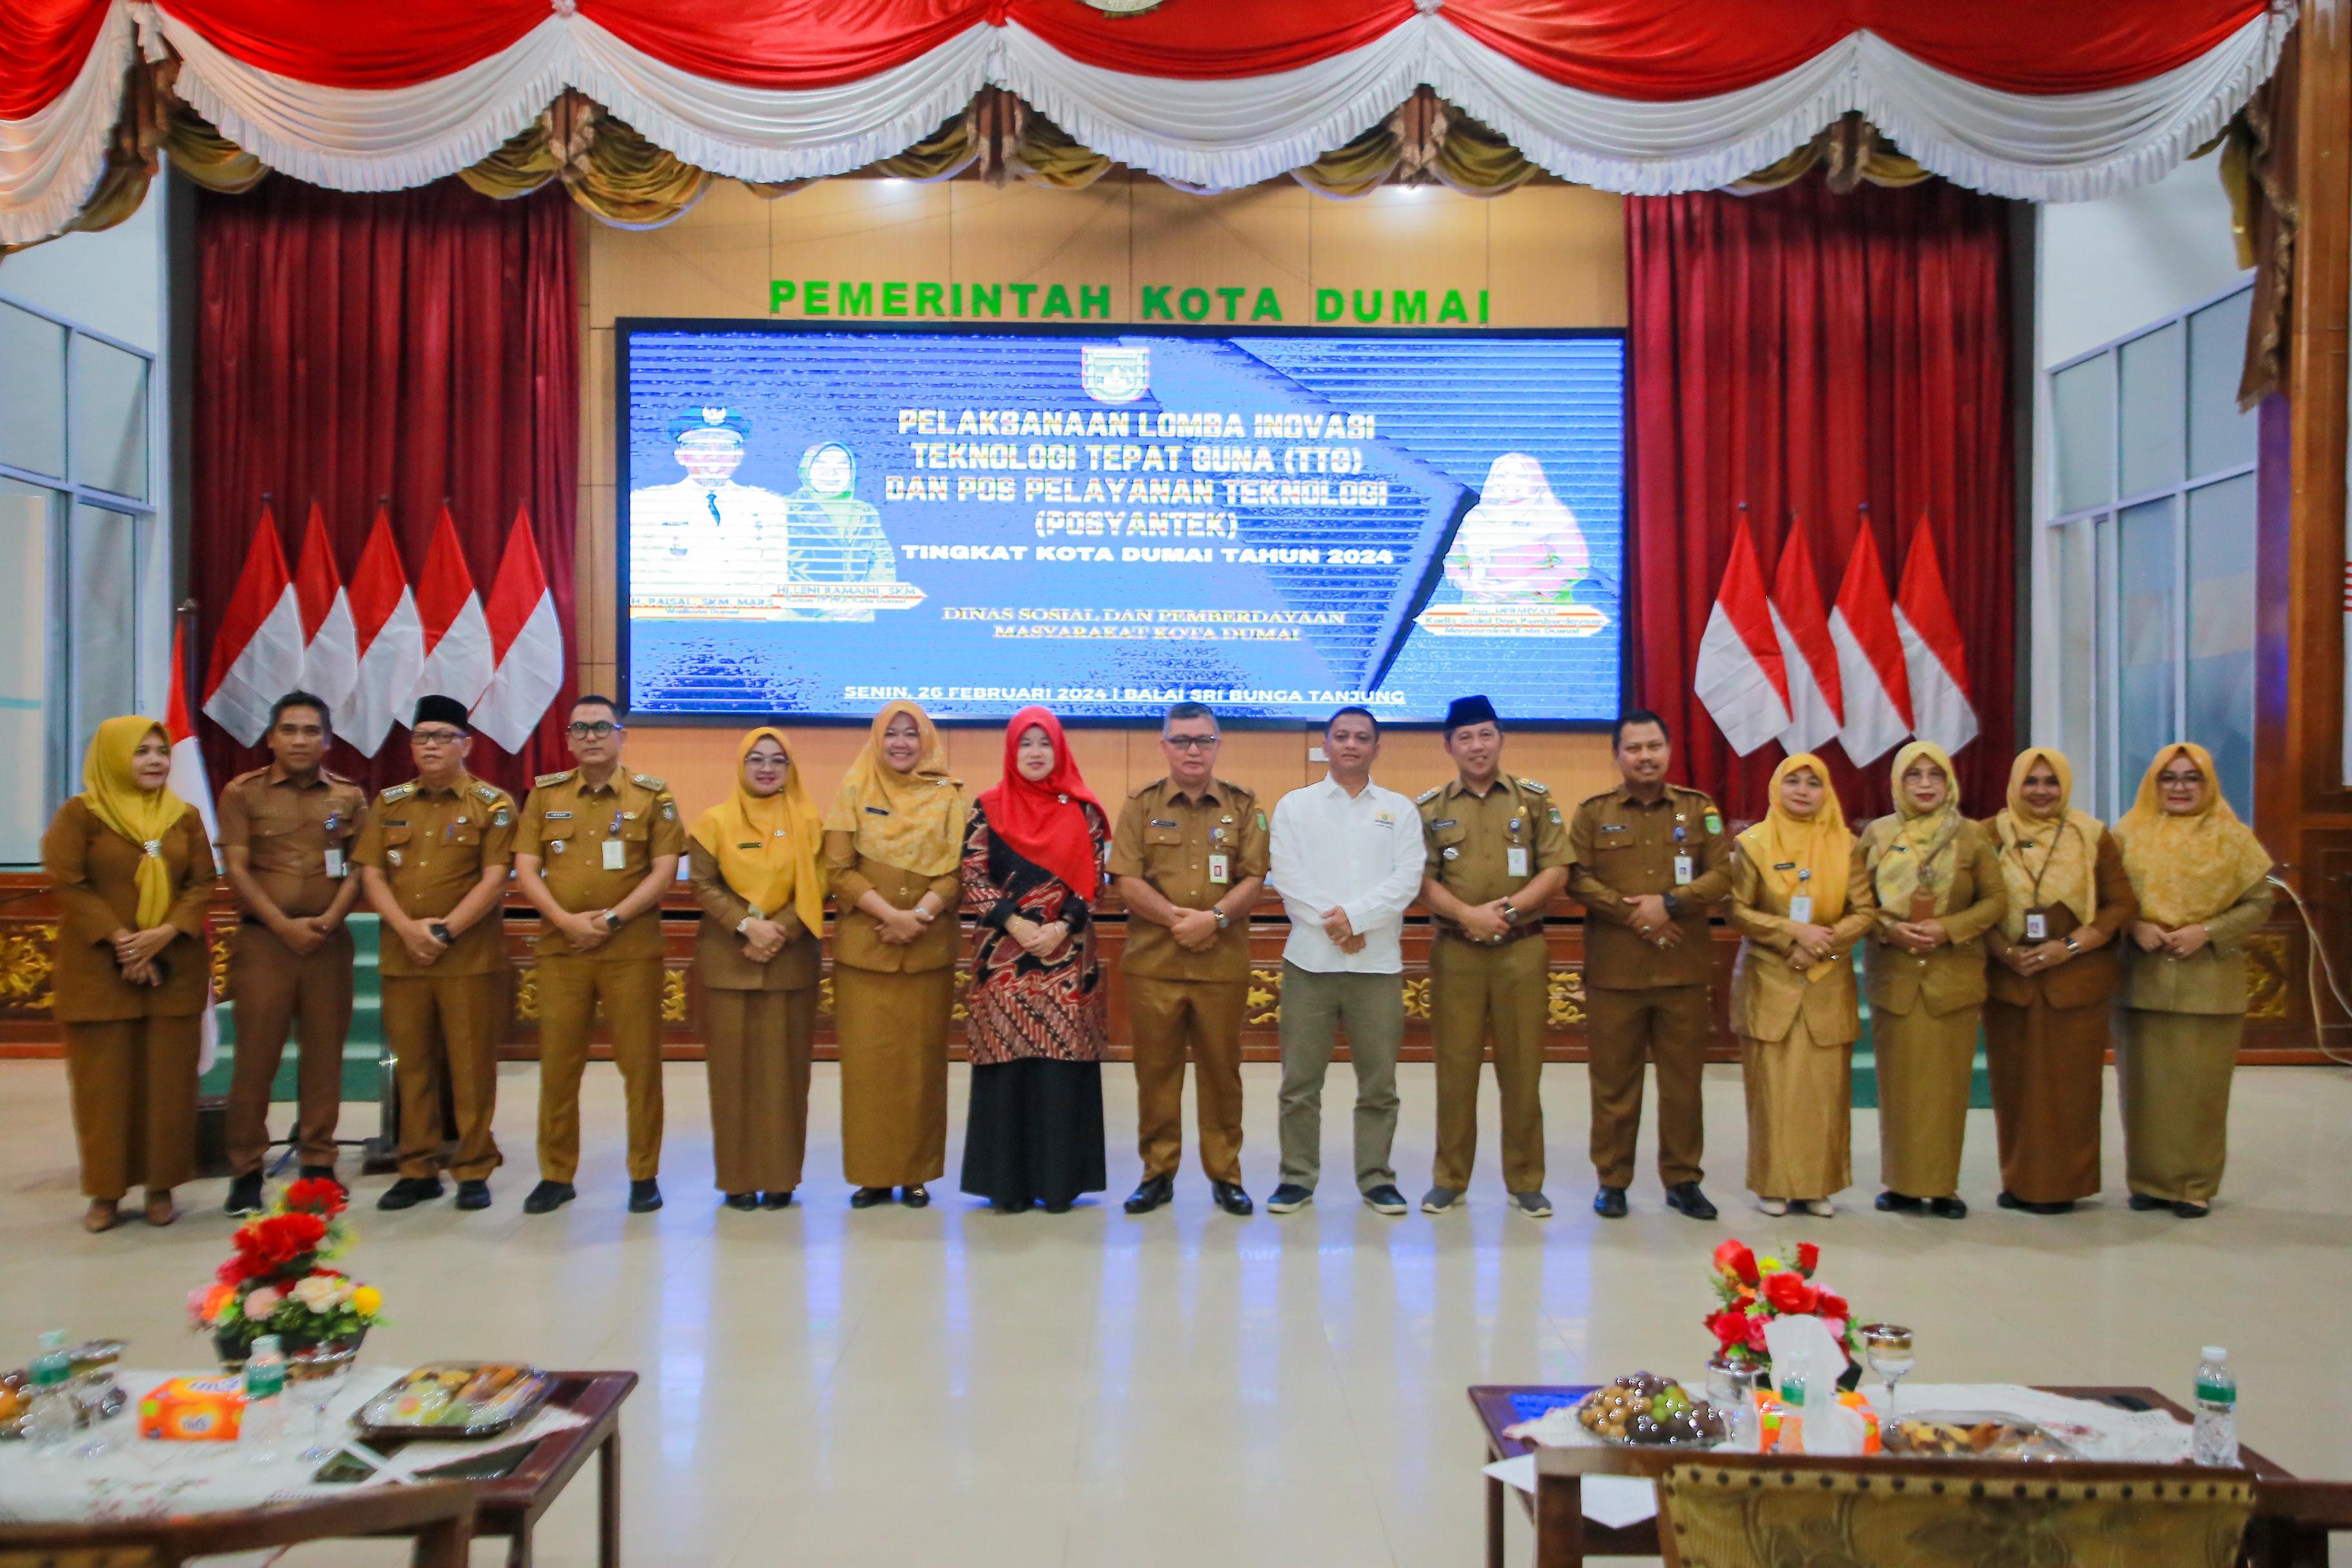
<point x="100" y="1216"/>
<point x="160" y="1209"/>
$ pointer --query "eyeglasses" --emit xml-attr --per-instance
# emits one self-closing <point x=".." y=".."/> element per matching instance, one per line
<point x="436" y="737"/>
<point x="1190" y="742"/>
<point x="598" y="730"/>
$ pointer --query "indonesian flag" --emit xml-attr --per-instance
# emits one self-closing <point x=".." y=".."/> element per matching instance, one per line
<point x="1816" y="699"/>
<point x="457" y="659"/>
<point x="1934" y="653"/>
<point x="189" y="783"/>
<point x="1875" y="689"/>
<point x="391" y="640"/>
<point x="525" y="641"/>
<point x="330" y="652"/>
<point x="1739" y="675"/>
<point x="258" y="654"/>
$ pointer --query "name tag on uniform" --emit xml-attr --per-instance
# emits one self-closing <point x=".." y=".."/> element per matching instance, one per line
<point x="2037" y="925"/>
<point x="1682" y="870"/>
<point x="334" y="860"/>
<point x="1519" y="861"/>
<point x="1800" y="909"/>
<point x="1220" y="869"/>
<point x="616" y="855"/>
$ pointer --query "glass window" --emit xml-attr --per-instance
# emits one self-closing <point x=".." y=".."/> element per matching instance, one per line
<point x="2147" y="570"/>
<point x="2074" y="561"/>
<point x="2149" y="423"/>
<point x="2082" y="400"/>
<point x="27" y="513"/>
<point x="110" y="418"/>
<point x="32" y="392"/>
<point x="2110" y="678"/>
<point x="2218" y="436"/>
<point x="2222" y="631"/>
<point x="102" y="554"/>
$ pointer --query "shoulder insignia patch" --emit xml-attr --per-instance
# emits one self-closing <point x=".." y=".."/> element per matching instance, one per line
<point x="397" y="791"/>
<point x="499" y="818"/>
<point x="488" y="793"/>
<point x="647" y="781"/>
<point x="543" y="780"/>
<point x="1535" y="786"/>
<point x="1261" y="822"/>
<point x="1425" y="796"/>
<point x="1714" y="822"/>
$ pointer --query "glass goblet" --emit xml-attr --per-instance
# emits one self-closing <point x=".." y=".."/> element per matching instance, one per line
<point x="314" y="1377"/>
<point x="1887" y="1348"/>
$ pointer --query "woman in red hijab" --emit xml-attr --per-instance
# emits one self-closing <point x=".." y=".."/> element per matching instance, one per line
<point x="1031" y="863"/>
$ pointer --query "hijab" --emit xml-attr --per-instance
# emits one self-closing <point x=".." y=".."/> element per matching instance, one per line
<point x="1784" y="844"/>
<point x="1922" y="851"/>
<point x="1520" y="539"/>
<point x="912" y="820"/>
<point x="142" y="817"/>
<point x="766" y="845"/>
<point x="1043" y="821"/>
<point x="2188" y="869"/>
<point x="2046" y="860"/>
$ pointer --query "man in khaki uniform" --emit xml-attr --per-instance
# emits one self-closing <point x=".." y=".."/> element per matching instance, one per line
<point x="1497" y="854"/>
<point x="286" y="834"/>
<point x="1189" y="853"/>
<point x="433" y="857"/>
<point x="1651" y="859"/>
<point x="597" y="847"/>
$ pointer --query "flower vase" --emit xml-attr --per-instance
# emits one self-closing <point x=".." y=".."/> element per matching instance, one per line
<point x="234" y="1345"/>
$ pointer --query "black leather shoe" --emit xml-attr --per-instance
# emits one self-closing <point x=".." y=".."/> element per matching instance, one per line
<point x="474" y="1194"/>
<point x="916" y="1198"/>
<point x="244" y="1196"/>
<point x="1948" y="1208"/>
<point x="2009" y="1200"/>
<point x="547" y="1196"/>
<point x="2146" y="1204"/>
<point x="1608" y="1203"/>
<point x="775" y="1200"/>
<point x="1893" y="1202"/>
<point x="1011" y="1206"/>
<point x="742" y="1203"/>
<point x="1060" y="1205"/>
<point x="1231" y="1199"/>
<point x="323" y="1173"/>
<point x="1151" y="1194"/>
<point x="410" y="1190"/>
<point x="870" y="1197"/>
<point x="1686" y="1197"/>
<point x="2186" y="1210"/>
<point x="644" y="1197"/>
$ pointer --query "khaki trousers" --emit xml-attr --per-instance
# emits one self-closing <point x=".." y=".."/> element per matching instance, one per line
<point x="756" y="1047"/>
<point x="1164" y="1018"/>
<point x="275" y="989"/>
<point x="1625" y="1029"/>
<point x="569" y="986"/>
<point x="1315" y="1007"/>
<point x="444" y="1033"/>
<point x="1476" y="990"/>
<point x="133" y="1083"/>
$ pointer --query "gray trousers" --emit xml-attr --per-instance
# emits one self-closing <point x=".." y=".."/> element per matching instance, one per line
<point x="1313" y="1008"/>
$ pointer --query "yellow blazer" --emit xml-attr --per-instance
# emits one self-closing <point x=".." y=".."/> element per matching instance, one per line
<point x="2211" y="981"/>
<point x="857" y="940"/>
<point x="1953" y="976"/>
<point x="718" y="951"/>
<point x="1767" y="995"/>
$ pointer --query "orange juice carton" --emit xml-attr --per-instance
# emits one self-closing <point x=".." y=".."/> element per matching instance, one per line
<point x="193" y="1409"/>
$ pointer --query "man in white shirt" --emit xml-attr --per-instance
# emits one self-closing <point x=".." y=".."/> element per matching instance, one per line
<point x="1348" y="861"/>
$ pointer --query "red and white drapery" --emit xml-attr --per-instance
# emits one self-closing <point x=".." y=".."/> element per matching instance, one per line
<point x="2019" y="98"/>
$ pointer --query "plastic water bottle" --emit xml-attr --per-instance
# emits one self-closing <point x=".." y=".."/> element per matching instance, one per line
<point x="1795" y="1372"/>
<point x="2216" y="1439"/>
<point x="51" y="1416"/>
<point x="264" y="1421"/>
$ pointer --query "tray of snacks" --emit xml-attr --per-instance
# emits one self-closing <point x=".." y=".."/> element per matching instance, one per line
<point x="1643" y="1410"/>
<point x="1971" y="1434"/>
<point x="455" y="1399"/>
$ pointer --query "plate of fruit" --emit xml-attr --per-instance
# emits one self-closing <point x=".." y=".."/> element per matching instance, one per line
<point x="1644" y="1410"/>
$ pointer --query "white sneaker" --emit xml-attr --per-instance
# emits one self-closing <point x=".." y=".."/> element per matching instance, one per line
<point x="1820" y="1208"/>
<point x="1776" y="1208"/>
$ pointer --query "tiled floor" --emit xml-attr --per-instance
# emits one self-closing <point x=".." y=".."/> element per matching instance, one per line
<point x="956" y="1387"/>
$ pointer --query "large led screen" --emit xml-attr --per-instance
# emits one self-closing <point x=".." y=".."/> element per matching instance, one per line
<point x="814" y="521"/>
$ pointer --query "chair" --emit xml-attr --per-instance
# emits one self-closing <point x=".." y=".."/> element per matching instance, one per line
<point x="1773" y="1510"/>
<point x="439" y="1515"/>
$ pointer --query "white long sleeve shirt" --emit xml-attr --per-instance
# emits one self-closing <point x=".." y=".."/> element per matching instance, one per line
<point x="1362" y="855"/>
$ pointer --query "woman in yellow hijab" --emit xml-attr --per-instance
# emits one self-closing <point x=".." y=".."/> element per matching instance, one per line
<point x="893" y="847"/>
<point x="1938" y="889"/>
<point x="2202" y="877"/>
<point x="132" y="873"/>
<point x="753" y="861"/>
<point x="1799" y="911"/>
<point x="2054" y="970"/>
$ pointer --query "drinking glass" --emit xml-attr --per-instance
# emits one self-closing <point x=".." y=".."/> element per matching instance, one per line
<point x="314" y="1377"/>
<point x="1745" y="1380"/>
<point x="1887" y="1348"/>
<point x="93" y="1370"/>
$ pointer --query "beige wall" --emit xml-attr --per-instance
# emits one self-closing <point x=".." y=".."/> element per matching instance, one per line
<point x="1548" y="255"/>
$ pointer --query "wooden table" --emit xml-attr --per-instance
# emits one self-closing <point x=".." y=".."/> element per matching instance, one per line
<point x="2290" y="1528"/>
<point x="511" y="1504"/>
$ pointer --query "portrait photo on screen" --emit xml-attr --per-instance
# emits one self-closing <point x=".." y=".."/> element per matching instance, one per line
<point x="812" y="521"/>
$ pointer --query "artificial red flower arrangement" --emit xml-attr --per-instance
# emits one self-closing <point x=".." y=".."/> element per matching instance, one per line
<point x="1752" y="1292"/>
<point x="277" y="1281"/>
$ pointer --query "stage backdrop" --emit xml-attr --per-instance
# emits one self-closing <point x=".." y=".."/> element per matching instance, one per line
<point x="1806" y="352"/>
<point x="420" y="345"/>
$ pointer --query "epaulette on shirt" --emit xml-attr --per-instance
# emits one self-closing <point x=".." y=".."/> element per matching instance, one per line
<point x="1602" y="794"/>
<point x="397" y="793"/>
<point x="488" y="794"/>
<point x="647" y="781"/>
<point x="543" y="780"/>
<point x="1139" y="791"/>
<point x="1431" y="793"/>
<point x="1535" y="786"/>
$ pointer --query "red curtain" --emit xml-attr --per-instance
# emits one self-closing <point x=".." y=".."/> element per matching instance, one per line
<point x="1807" y="352"/>
<point x="419" y="344"/>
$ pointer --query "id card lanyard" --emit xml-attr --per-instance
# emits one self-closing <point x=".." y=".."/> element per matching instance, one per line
<point x="1801" y="904"/>
<point x="2037" y="918"/>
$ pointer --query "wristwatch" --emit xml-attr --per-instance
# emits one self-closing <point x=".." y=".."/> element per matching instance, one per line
<point x="1220" y="912"/>
<point x="1508" y="912"/>
<point x="747" y="920"/>
<point x="612" y="921"/>
<point x="2072" y="946"/>
<point x="1673" y="907"/>
<point x="440" y="931"/>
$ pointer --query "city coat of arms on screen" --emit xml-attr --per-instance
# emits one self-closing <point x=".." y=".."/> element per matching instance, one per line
<point x="1115" y="372"/>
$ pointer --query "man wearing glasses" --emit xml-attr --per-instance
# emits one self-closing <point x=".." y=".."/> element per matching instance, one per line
<point x="596" y="848"/>
<point x="1189" y="853"/>
<point x="433" y="863"/>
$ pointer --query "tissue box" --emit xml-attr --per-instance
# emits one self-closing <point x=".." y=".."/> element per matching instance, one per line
<point x="193" y="1409"/>
<point x="1768" y="1409"/>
